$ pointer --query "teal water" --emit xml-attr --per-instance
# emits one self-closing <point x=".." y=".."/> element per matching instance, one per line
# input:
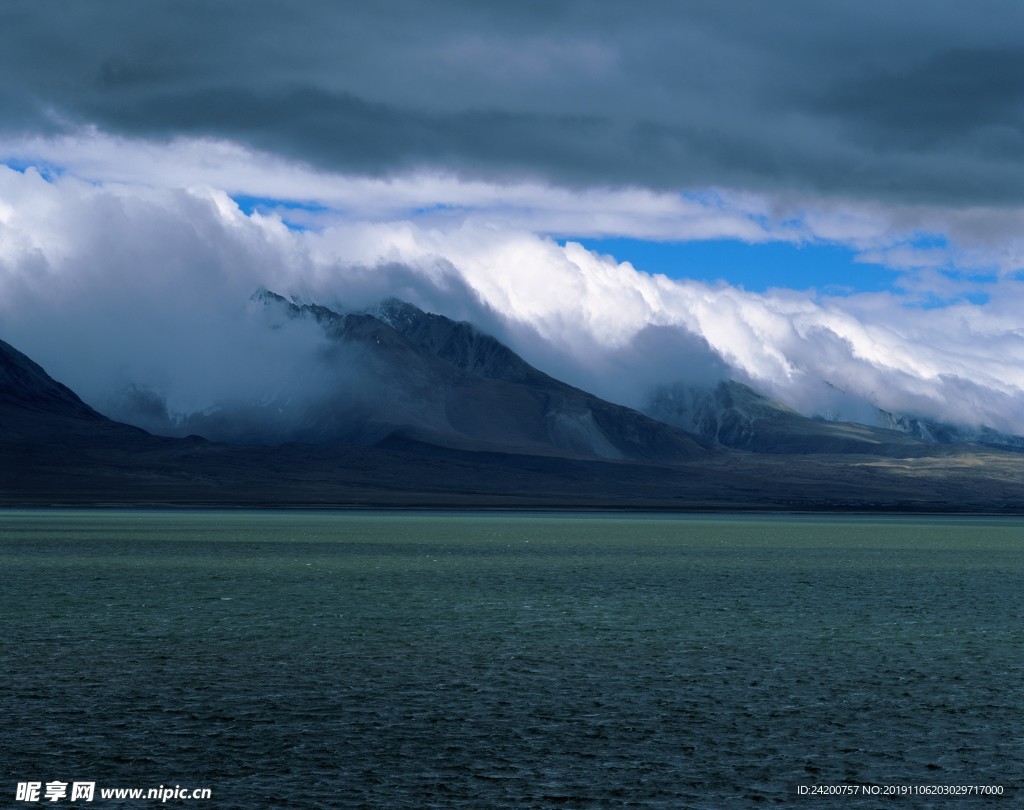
<point x="298" y="659"/>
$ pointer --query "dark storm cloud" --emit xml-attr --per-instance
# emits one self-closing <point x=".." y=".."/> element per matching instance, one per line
<point x="912" y="101"/>
<point x="948" y="96"/>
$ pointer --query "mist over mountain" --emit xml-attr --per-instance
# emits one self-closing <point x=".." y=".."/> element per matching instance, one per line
<point x="396" y="370"/>
<point x="362" y="373"/>
<point x="160" y="332"/>
<point x="137" y="299"/>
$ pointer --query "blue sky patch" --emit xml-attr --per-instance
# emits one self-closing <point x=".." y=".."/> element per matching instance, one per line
<point x="756" y="267"/>
<point x="48" y="171"/>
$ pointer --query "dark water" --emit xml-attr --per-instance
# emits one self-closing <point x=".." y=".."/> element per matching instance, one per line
<point x="290" y="659"/>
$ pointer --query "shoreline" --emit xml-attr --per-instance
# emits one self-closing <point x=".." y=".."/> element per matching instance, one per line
<point x="457" y="510"/>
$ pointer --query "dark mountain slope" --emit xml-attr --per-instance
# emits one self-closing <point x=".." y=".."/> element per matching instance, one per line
<point x="446" y="383"/>
<point x="462" y="345"/>
<point x="34" y="407"/>
<point x="25" y="386"/>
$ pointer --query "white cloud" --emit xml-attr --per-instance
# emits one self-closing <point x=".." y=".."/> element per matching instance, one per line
<point x="138" y="280"/>
<point x="898" y="236"/>
<point x="431" y="198"/>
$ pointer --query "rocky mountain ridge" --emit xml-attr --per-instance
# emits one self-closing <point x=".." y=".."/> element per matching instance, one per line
<point x="445" y="382"/>
<point x="734" y="415"/>
<point x="935" y="432"/>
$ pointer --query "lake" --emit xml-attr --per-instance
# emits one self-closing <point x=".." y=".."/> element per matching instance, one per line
<point x="349" y="659"/>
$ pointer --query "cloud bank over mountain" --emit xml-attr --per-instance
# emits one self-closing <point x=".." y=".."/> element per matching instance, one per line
<point x="111" y="286"/>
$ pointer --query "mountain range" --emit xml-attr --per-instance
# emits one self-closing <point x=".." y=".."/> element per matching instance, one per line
<point x="442" y="414"/>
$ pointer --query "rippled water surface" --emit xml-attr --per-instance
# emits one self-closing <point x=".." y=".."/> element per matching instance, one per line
<point x="296" y="659"/>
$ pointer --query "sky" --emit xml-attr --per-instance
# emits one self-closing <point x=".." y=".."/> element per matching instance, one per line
<point x="825" y="201"/>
